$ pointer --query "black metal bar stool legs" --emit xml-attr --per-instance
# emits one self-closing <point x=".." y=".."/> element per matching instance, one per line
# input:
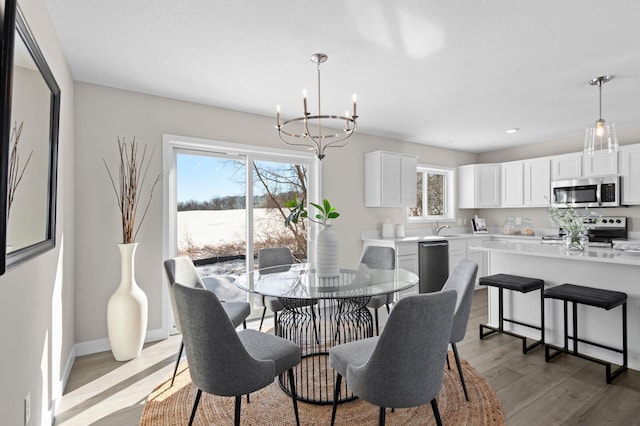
<point x="605" y="299"/>
<point x="521" y="285"/>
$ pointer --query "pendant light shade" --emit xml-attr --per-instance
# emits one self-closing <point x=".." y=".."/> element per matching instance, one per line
<point x="600" y="137"/>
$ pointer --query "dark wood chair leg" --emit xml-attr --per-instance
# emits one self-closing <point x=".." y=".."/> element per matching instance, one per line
<point x="455" y="354"/>
<point x="436" y="412"/>
<point x="175" y="370"/>
<point x="244" y="324"/>
<point x="336" y="396"/>
<point x="195" y="407"/>
<point x="381" y="418"/>
<point x="236" y="416"/>
<point x="448" y="364"/>
<point x="292" y="384"/>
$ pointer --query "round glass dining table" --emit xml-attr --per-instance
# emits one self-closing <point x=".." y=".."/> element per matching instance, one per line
<point x="321" y="312"/>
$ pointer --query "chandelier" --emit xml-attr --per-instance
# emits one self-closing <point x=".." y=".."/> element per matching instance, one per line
<point x="317" y="132"/>
<point x="602" y="134"/>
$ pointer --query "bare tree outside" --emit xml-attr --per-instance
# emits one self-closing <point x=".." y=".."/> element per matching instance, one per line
<point x="222" y="217"/>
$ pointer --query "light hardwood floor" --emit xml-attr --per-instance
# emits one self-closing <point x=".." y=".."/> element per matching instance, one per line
<point x="568" y="391"/>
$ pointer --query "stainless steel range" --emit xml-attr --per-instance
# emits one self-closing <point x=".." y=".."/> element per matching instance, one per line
<point x="606" y="230"/>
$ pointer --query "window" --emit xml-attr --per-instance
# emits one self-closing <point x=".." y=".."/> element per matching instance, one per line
<point x="435" y="194"/>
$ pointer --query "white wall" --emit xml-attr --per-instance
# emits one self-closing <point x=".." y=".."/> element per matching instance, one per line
<point x="37" y="303"/>
<point x="104" y="113"/>
<point x="496" y="217"/>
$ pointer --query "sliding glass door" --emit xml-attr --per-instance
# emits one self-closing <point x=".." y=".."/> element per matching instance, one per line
<point x="224" y="202"/>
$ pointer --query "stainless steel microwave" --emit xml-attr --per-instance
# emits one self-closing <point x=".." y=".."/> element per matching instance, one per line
<point x="588" y="192"/>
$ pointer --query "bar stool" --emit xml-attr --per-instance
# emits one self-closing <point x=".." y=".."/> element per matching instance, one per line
<point x="522" y="285"/>
<point x="605" y="299"/>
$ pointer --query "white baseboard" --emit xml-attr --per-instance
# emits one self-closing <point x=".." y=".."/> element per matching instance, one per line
<point x="101" y="345"/>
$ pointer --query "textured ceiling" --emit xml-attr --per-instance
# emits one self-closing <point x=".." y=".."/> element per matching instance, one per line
<point x="442" y="72"/>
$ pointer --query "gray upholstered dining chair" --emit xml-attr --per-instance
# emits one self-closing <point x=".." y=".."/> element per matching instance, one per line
<point x="379" y="257"/>
<point x="226" y="362"/>
<point x="275" y="256"/>
<point x="403" y="367"/>
<point x="462" y="280"/>
<point x="182" y="270"/>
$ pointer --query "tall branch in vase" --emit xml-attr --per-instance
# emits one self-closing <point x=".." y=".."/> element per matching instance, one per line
<point x="132" y="177"/>
<point x="15" y="173"/>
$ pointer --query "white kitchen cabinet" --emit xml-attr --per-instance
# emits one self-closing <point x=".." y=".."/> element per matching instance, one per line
<point x="600" y="164"/>
<point x="457" y="252"/>
<point x="390" y="179"/>
<point x="479" y="186"/>
<point x="512" y="182"/>
<point x="629" y="158"/>
<point x="566" y="166"/>
<point x="537" y="182"/>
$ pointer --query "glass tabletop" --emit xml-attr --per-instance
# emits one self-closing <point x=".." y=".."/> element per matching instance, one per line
<point x="300" y="281"/>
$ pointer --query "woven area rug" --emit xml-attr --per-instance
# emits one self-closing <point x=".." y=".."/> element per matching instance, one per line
<point x="271" y="406"/>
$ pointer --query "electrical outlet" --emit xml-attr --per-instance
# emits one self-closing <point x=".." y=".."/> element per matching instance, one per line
<point x="27" y="408"/>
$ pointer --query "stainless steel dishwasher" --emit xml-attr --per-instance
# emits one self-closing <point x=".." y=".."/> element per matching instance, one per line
<point x="433" y="265"/>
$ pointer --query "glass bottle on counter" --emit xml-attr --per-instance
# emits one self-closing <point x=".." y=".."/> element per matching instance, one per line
<point x="509" y="227"/>
<point x="527" y="227"/>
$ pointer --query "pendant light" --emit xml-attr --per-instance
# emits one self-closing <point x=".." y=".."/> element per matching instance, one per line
<point x="601" y="136"/>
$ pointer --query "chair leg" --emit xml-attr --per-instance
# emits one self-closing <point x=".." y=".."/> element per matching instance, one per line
<point x="381" y="418"/>
<point x="195" y="407"/>
<point x="244" y="324"/>
<point x="336" y="396"/>
<point x="175" y="370"/>
<point x="388" y="309"/>
<point x="264" y="311"/>
<point x="448" y="364"/>
<point x="436" y="412"/>
<point x="377" y="326"/>
<point x="236" y="417"/>
<point x="455" y="354"/>
<point x="292" y="384"/>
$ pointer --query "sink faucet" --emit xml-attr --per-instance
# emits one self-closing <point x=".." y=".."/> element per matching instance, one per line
<point x="437" y="228"/>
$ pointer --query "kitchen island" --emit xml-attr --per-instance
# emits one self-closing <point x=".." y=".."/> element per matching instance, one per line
<point x="594" y="267"/>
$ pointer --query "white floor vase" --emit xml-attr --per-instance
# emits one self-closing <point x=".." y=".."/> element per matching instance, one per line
<point x="327" y="261"/>
<point x="127" y="310"/>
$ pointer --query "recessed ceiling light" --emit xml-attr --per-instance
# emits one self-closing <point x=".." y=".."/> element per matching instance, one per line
<point x="513" y="130"/>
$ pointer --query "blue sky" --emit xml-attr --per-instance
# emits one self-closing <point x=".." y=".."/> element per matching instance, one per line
<point x="202" y="177"/>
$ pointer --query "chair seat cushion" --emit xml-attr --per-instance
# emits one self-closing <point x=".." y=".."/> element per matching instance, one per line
<point x="354" y="353"/>
<point x="237" y="311"/>
<point x="263" y="346"/>
<point x="606" y="299"/>
<point x="513" y="282"/>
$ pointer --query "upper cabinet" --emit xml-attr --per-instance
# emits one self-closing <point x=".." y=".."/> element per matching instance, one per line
<point x="479" y="186"/>
<point x="629" y="156"/>
<point x="600" y="164"/>
<point x="567" y="166"/>
<point x="537" y="182"/>
<point x="526" y="183"/>
<point x="512" y="178"/>
<point x="390" y="179"/>
<point x="576" y="165"/>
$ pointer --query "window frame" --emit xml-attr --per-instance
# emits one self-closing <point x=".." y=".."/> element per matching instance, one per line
<point x="450" y="195"/>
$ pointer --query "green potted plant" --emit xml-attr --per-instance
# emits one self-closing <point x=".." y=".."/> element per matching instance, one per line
<point x="326" y="253"/>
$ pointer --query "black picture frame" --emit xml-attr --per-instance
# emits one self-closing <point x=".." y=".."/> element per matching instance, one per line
<point x="15" y="30"/>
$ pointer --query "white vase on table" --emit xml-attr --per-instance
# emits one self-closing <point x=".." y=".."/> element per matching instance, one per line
<point x="127" y="310"/>
<point x="327" y="261"/>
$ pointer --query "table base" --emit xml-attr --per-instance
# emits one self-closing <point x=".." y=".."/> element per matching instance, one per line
<point x="316" y="329"/>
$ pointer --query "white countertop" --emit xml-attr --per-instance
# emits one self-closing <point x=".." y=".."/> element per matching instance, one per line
<point x="416" y="238"/>
<point x="534" y="248"/>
